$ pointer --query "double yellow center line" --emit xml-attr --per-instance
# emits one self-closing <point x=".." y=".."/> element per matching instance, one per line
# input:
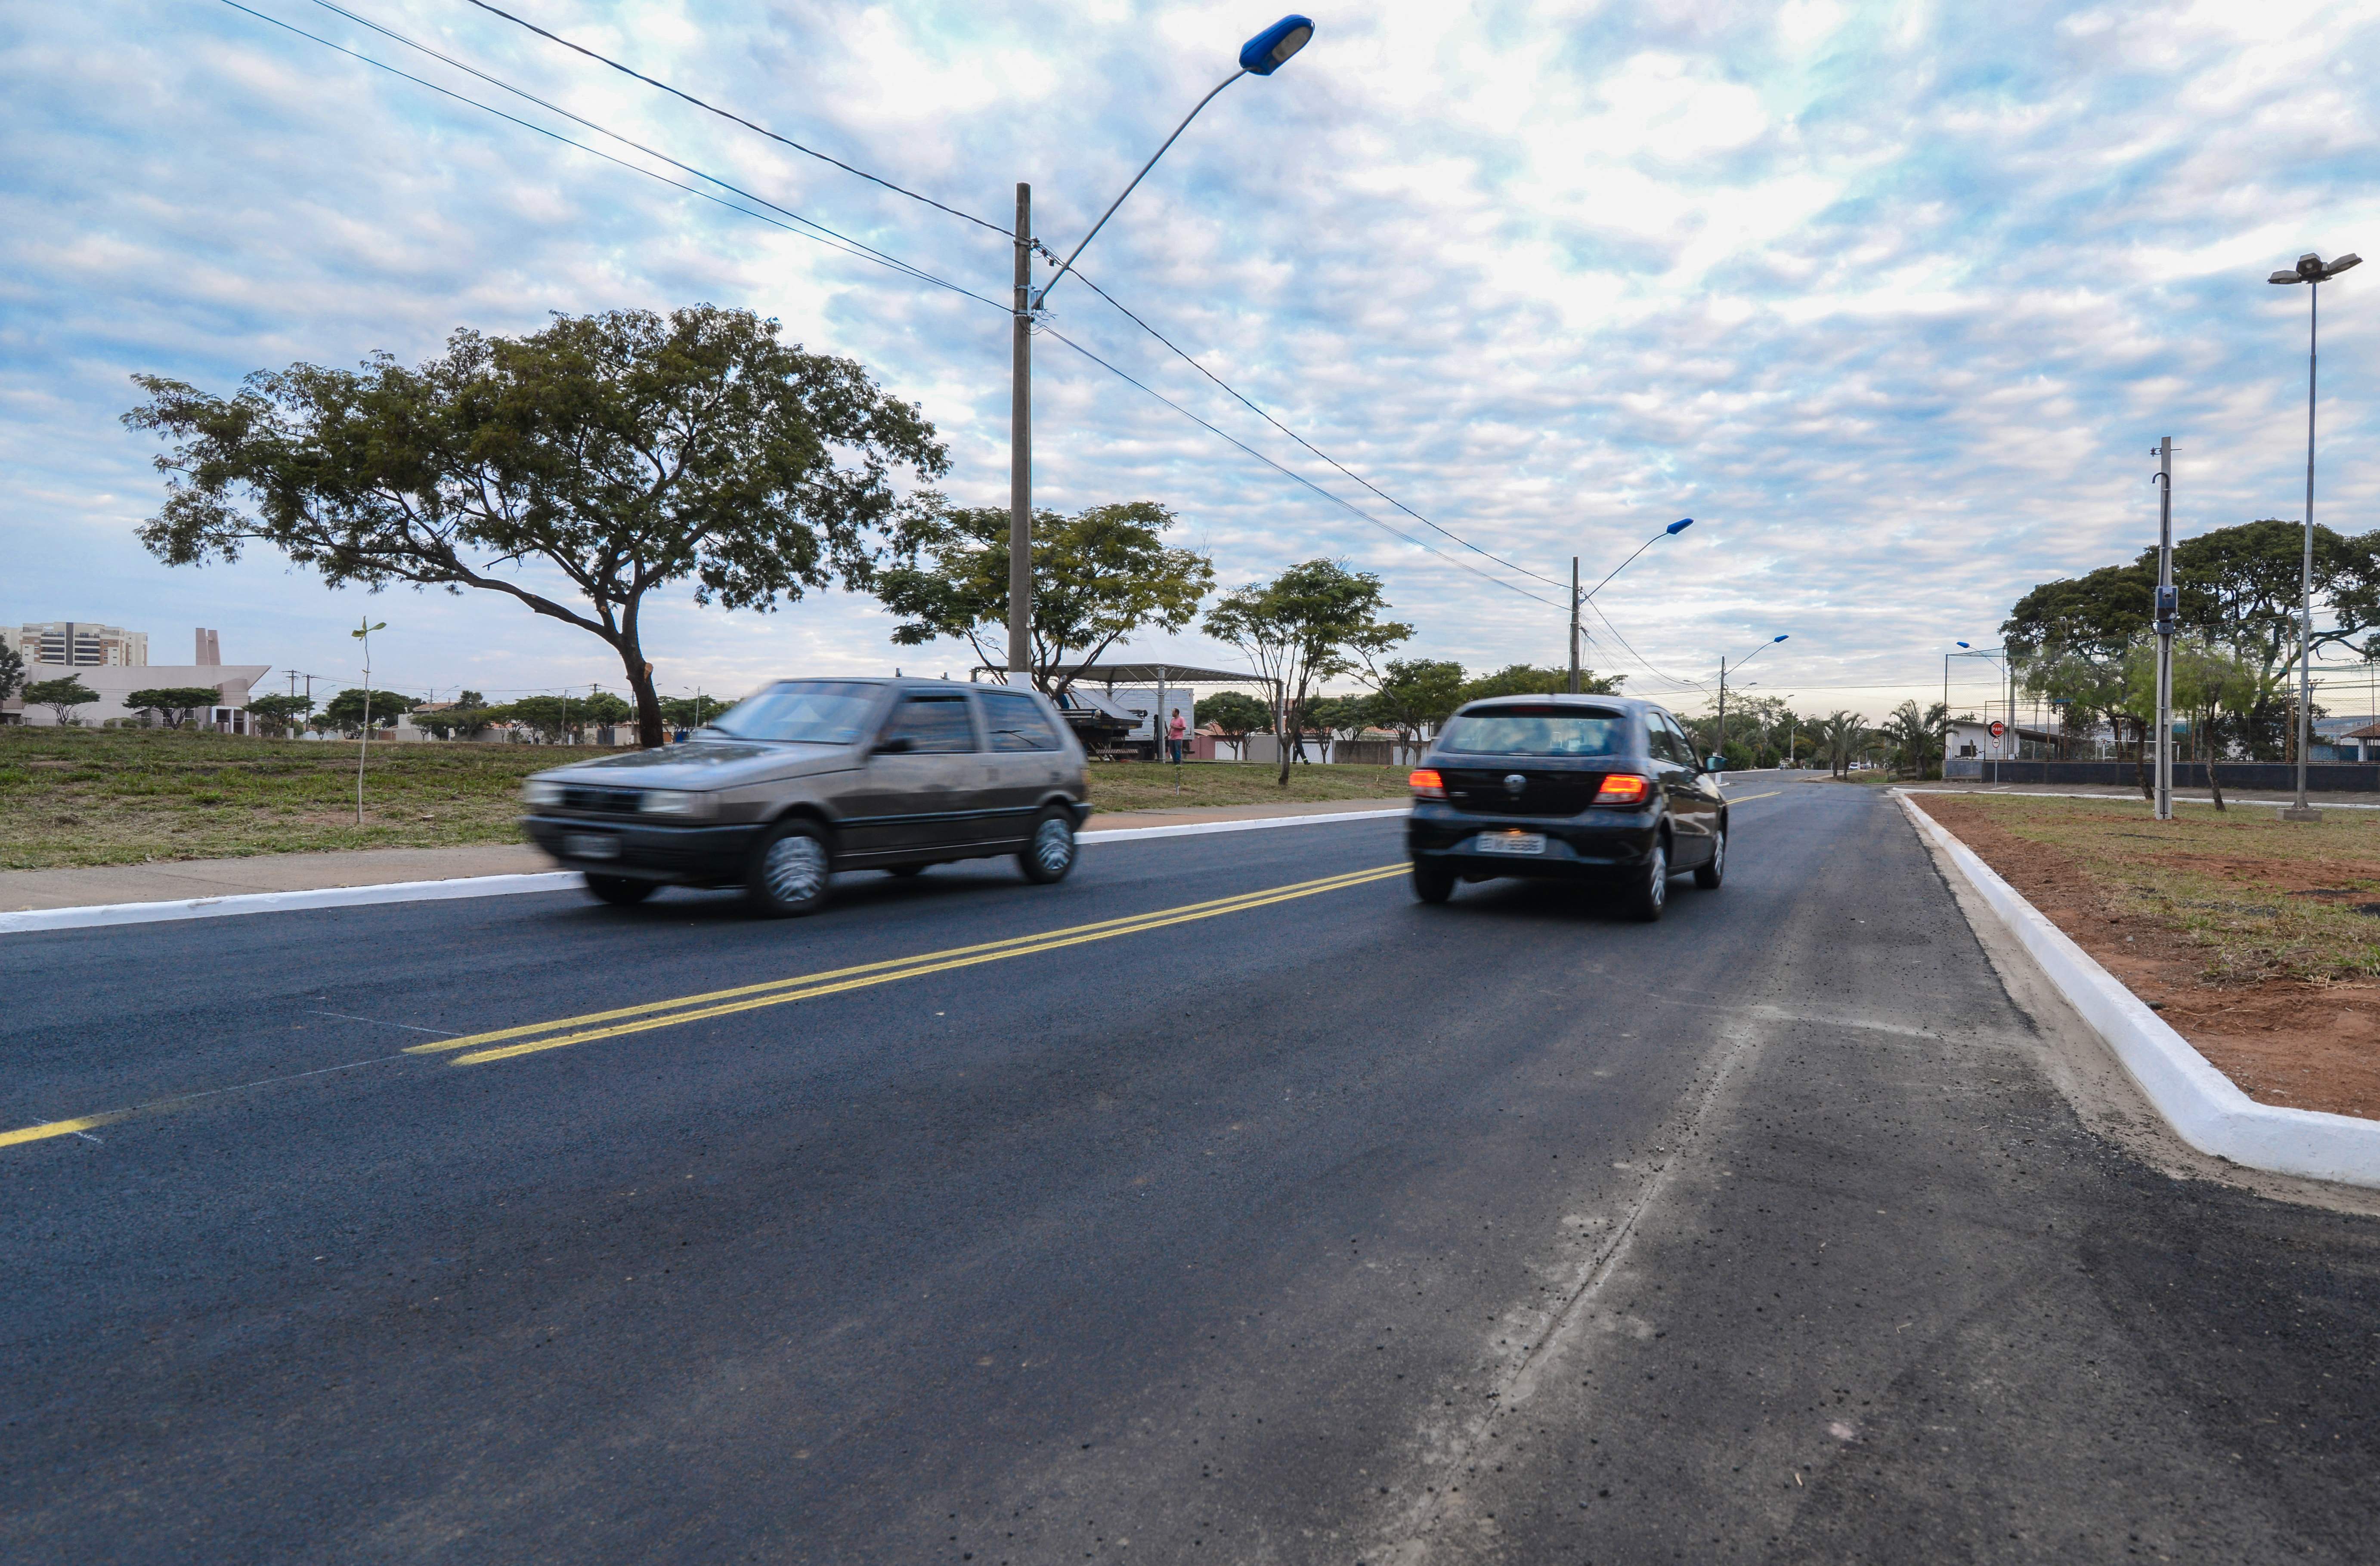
<point x="506" y="1043"/>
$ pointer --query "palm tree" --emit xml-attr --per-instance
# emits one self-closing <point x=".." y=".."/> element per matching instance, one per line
<point x="1841" y="733"/>
<point x="1917" y="733"/>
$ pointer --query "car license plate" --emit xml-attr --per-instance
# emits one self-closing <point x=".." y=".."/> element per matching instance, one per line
<point x="1511" y="843"/>
<point x="590" y="845"/>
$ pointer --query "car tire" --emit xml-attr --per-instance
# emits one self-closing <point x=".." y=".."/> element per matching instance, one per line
<point x="906" y="872"/>
<point x="619" y="890"/>
<point x="790" y="870"/>
<point x="1650" y="893"/>
<point x="1432" y="884"/>
<point x="1048" y="852"/>
<point x="1708" y="877"/>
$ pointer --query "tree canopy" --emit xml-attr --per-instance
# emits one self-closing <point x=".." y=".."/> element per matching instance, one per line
<point x="1528" y="679"/>
<point x="1097" y="577"/>
<point x="278" y="713"/>
<point x="608" y="455"/>
<point x="174" y="704"/>
<point x="344" y="711"/>
<point x="1312" y="623"/>
<point x="61" y="695"/>
<point x="12" y="671"/>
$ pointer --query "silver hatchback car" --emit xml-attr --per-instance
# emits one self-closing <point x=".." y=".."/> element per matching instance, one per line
<point x="808" y="777"/>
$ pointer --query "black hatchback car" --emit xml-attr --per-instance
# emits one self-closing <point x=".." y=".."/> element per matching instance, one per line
<point x="1593" y="788"/>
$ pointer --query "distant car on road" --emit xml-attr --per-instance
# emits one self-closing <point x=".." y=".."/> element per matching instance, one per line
<point x="810" y="777"/>
<point x="1591" y="788"/>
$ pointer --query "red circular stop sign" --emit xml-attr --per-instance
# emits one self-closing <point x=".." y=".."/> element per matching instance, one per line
<point x="1999" y="729"/>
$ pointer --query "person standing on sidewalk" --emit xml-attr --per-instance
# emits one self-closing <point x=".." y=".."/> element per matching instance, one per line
<point x="1175" y="730"/>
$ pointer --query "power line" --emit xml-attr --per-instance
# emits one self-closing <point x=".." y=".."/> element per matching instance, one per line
<point x="739" y="119"/>
<point x="1300" y="477"/>
<point x="832" y="240"/>
<point x="1234" y="393"/>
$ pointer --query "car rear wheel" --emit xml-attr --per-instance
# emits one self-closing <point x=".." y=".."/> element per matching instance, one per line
<point x="905" y="872"/>
<point x="1050" y="852"/>
<point x="620" y="890"/>
<point x="1650" y="893"/>
<point x="1432" y="884"/>
<point x="1708" y="876"/>
<point x="790" y="871"/>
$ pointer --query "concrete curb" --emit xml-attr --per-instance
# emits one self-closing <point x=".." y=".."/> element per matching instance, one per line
<point x="2204" y="1106"/>
<point x="103" y="914"/>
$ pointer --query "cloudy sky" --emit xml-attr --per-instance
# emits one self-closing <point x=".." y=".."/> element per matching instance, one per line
<point x="1893" y="300"/>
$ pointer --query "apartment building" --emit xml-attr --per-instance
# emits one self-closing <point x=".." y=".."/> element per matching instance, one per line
<point x="79" y="644"/>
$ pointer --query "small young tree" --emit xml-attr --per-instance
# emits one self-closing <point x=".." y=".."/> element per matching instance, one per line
<point x="173" y="704"/>
<point x="620" y="452"/>
<point x="1310" y="623"/>
<point x="1097" y="577"/>
<point x="62" y="696"/>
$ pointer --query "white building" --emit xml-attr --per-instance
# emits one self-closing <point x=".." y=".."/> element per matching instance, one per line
<point x="111" y="682"/>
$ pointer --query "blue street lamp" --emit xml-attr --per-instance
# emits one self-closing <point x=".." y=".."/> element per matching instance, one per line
<point x="1260" y="55"/>
<point x="1577" y="600"/>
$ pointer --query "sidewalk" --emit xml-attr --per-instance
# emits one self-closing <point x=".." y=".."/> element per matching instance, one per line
<point x="172" y="880"/>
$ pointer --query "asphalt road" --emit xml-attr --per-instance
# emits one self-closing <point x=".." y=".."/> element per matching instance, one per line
<point x="1322" y="1226"/>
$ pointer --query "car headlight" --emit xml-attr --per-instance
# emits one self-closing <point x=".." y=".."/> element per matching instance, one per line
<point x="536" y="792"/>
<point x="674" y="802"/>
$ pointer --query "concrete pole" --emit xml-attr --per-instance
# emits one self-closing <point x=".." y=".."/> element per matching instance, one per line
<point x="1573" y="625"/>
<point x="2165" y="628"/>
<point x="1020" y="454"/>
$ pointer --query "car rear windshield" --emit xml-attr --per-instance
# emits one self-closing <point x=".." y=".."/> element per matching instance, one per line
<point x="1510" y="731"/>
<point x="807" y="711"/>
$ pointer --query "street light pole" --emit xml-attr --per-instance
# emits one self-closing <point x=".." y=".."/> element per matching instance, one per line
<point x="1721" y="756"/>
<point x="1261" y="55"/>
<point x="2314" y="271"/>
<point x="2168" y="608"/>
<point x="1577" y="601"/>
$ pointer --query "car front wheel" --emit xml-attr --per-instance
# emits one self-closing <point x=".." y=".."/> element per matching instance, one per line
<point x="1432" y="884"/>
<point x="620" y="890"/>
<point x="1708" y="876"/>
<point x="1650" y="894"/>
<point x="790" y="871"/>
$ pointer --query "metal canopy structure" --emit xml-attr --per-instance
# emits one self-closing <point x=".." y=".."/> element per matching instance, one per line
<point x="1114" y="675"/>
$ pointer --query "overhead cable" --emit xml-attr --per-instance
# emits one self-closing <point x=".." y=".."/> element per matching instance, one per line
<point x="823" y="234"/>
<point x="1234" y="393"/>
<point x="739" y="119"/>
<point x="1300" y="477"/>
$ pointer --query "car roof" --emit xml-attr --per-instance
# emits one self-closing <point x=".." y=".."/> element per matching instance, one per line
<point x="1564" y="699"/>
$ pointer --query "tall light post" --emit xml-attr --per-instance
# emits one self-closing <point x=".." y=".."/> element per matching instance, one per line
<point x="1261" y="55"/>
<point x="1577" y="601"/>
<point x="1967" y="649"/>
<point x="2313" y="271"/>
<point x="2168" y="611"/>
<point x="1720" y="760"/>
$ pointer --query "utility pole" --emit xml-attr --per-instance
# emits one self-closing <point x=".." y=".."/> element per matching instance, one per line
<point x="1020" y="454"/>
<point x="1722" y="716"/>
<point x="1573" y="625"/>
<point x="2168" y="609"/>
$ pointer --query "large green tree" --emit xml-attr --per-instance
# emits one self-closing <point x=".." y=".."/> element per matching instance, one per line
<point x="12" y="671"/>
<point x="1418" y="695"/>
<point x="61" y="695"/>
<point x="1235" y="715"/>
<point x="1312" y="623"/>
<point x="347" y="710"/>
<point x="173" y="704"/>
<point x="278" y="712"/>
<point x="1097" y="577"/>
<point x="575" y="470"/>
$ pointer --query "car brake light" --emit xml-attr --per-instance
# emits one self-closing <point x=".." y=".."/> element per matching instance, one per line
<point x="1427" y="784"/>
<point x="1624" y="788"/>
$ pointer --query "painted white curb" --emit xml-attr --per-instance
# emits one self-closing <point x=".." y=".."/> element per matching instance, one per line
<point x="2204" y="1106"/>
<point x="287" y="902"/>
<point x="2009" y="792"/>
<point x="502" y="886"/>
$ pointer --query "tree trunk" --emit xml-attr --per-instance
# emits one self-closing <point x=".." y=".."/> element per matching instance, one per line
<point x="650" y="732"/>
<point x="1280" y="738"/>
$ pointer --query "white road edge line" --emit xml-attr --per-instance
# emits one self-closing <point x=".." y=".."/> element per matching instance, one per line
<point x="105" y="914"/>
<point x="2205" y="1108"/>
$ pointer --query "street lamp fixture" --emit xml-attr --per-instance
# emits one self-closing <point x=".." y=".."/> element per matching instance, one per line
<point x="1578" y="601"/>
<point x="2314" y="272"/>
<point x="1260" y="55"/>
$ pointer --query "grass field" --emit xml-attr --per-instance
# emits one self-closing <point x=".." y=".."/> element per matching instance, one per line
<point x="2254" y="896"/>
<point x="116" y="797"/>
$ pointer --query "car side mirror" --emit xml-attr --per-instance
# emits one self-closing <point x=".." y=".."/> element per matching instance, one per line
<point x="895" y="744"/>
<point x="1713" y="763"/>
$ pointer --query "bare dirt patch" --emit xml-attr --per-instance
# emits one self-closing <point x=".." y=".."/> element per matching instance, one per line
<point x="2244" y="932"/>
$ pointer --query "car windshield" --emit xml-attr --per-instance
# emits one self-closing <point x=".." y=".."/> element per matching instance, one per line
<point x="804" y="712"/>
<point x="1521" y="732"/>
